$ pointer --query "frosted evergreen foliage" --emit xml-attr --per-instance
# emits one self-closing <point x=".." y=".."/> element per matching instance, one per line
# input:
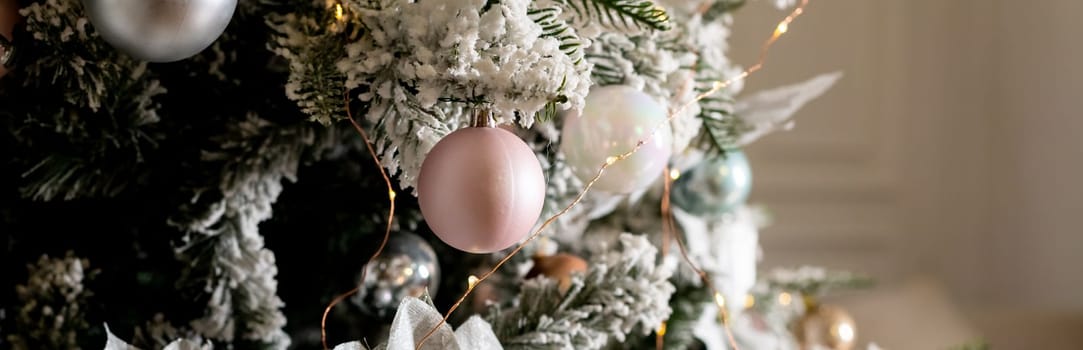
<point x="623" y="293"/>
<point x="86" y="66"/>
<point x="224" y="240"/>
<point x="50" y="314"/>
<point x="97" y="105"/>
<point x="87" y="123"/>
<point x="311" y="41"/>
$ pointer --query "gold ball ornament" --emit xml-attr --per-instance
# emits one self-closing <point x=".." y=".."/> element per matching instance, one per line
<point x="825" y="326"/>
<point x="558" y="267"/>
<point x="9" y="17"/>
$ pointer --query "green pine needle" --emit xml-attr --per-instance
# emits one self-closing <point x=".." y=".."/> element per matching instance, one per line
<point x="722" y="7"/>
<point x="720" y="126"/>
<point x="622" y="14"/>
<point x="553" y="26"/>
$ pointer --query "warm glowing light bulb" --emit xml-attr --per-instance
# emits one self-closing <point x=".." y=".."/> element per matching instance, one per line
<point x="846" y="332"/>
<point x="719" y="299"/>
<point x="750" y="301"/>
<point x="338" y="11"/>
<point x="391" y="194"/>
<point x="782" y="28"/>
<point x="674" y="174"/>
<point x="610" y="160"/>
<point x="472" y="281"/>
<point x="661" y="330"/>
<point x="785" y="298"/>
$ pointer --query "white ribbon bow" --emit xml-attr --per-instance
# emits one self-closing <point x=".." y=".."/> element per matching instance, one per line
<point x="415" y="318"/>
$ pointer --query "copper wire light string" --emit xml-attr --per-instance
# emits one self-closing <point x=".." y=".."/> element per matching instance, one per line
<point x="667" y="230"/>
<point x="781" y="29"/>
<point x="387" y="231"/>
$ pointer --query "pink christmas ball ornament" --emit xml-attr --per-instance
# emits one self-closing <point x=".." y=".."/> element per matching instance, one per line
<point x="481" y="189"/>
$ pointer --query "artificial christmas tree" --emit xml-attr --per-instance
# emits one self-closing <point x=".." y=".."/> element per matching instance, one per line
<point x="225" y="199"/>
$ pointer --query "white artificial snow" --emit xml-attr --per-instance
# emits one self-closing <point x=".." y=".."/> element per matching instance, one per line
<point x="727" y="249"/>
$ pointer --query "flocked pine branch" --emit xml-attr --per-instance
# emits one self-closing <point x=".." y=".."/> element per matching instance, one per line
<point x="608" y="70"/>
<point x="311" y="40"/>
<point x="722" y="7"/>
<point x="616" y="58"/>
<point x="637" y="61"/>
<point x="50" y="312"/>
<point x="625" y="15"/>
<point x="553" y="26"/>
<point x="95" y="107"/>
<point x="67" y="51"/>
<point x="224" y="253"/>
<point x="623" y="292"/>
<point x="688" y="303"/>
<point x="721" y="128"/>
<point x="814" y="281"/>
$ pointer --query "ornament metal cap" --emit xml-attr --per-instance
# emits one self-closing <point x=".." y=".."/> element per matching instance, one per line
<point x="483" y="118"/>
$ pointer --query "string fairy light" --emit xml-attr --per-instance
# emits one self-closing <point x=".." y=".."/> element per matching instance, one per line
<point x="387" y="232"/>
<point x="660" y="336"/>
<point x="667" y="213"/>
<point x="667" y="229"/>
<point x="471" y="281"/>
<point x="717" y="86"/>
<point x="785" y="298"/>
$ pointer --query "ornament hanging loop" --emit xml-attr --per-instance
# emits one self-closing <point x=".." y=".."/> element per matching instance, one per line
<point x="483" y="118"/>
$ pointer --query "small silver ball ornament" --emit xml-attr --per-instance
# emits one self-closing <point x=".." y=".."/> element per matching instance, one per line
<point x="160" y="30"/>
<point x="407" y="267"/>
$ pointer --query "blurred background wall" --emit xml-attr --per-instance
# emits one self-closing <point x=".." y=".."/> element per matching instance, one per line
<point x="947" y="163"/>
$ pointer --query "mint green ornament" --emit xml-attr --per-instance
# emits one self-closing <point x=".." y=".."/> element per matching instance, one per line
<point x="714" y="186"/>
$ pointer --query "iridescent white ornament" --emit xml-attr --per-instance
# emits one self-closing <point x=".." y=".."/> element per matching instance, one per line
<point x="615" y="118"/>
<point x="160" y="30"/>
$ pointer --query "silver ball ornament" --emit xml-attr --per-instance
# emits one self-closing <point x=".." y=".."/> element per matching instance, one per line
<point x="714" y="186"/>
<point x="407" y="267"/>
<point x="160" y="30"/>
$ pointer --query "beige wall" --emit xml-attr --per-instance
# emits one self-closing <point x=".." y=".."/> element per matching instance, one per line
<point x="952" y="148"/>
<point x="1039" y="91"/>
